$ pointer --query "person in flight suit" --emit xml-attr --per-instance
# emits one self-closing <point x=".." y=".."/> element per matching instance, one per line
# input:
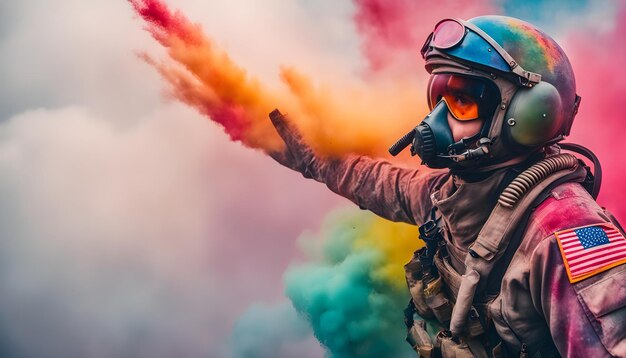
<point x="526" y="263"/>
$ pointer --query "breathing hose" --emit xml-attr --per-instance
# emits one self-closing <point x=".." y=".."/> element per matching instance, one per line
<point x="533" y="175"/>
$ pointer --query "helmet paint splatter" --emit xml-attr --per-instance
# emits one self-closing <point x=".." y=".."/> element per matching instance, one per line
<point x="534" y="76"/>
<point x="534" y="50"/>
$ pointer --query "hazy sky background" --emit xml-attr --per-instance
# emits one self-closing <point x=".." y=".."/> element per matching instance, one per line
<point x="129" y="224"/>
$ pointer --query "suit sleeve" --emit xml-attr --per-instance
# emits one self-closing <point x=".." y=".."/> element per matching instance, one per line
<point x="392" y="192"/>
<point x="395" y="193"/>
<point x="586" y="318"/>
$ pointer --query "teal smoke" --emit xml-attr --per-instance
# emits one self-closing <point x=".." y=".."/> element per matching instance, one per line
<point x="272" y="330"/>
<point x="353" y="312"/>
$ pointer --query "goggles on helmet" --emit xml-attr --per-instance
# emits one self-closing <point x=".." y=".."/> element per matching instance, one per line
<point x="467" y="98"/>
<point x="450" y="33"/>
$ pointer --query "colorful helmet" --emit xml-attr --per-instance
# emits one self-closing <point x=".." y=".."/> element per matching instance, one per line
<point x="537" y="99"/>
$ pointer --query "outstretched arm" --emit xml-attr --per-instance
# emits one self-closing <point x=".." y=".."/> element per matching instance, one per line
<point x="392" y="192"/>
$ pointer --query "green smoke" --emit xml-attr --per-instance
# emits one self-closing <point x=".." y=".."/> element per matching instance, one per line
<point x="354" y="312"/>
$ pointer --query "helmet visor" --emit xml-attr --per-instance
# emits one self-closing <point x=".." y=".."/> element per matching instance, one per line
<point x="467" y="98"/>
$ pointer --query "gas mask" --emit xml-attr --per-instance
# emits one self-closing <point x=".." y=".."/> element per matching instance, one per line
<point x="452" y="97"/>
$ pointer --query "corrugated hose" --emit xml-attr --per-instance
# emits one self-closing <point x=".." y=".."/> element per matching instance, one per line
<point x="533" y="175"/>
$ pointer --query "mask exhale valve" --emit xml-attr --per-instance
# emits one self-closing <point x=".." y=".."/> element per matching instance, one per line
<point x="402" y="143"/>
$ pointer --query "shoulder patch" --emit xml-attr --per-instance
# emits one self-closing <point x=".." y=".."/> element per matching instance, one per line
<point x="589" y="250"/>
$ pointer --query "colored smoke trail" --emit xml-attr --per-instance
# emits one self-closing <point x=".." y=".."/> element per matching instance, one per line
<point x="204" y="77"/>
<point x="335" y="119"/>
<point x="355" y="293"/>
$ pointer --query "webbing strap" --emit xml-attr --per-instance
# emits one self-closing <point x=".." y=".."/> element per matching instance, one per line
<point x="495" y="235"/>
<point x="494" y="238"/>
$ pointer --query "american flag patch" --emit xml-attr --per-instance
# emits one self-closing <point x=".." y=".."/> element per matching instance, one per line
<point x="589" y="250"/>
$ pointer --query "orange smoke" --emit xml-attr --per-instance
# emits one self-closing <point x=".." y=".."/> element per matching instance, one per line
<point x="334" y="119"/>
<point x="204" y="77"/>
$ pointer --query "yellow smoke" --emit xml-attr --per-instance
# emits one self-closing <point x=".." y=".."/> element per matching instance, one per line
<point x="396" y="242"/>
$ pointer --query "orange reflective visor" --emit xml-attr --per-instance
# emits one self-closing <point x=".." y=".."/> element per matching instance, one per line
<point x="462" y="94"/>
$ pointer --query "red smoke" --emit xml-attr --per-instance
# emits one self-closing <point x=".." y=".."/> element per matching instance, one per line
<point x="203" y="76"/>
<point x="163" y="23"/>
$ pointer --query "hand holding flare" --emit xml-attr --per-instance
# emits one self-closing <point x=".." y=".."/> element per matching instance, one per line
<point x="297" y="154"/>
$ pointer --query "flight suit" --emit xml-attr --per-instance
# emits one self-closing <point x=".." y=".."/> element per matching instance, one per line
<point x="536" y="308"/>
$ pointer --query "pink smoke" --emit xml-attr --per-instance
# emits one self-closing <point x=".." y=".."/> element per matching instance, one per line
<point x="394" y="31"/>
<point x="597" y="60"/>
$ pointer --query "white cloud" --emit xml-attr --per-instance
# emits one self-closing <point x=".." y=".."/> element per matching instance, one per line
<point x="105" y="234"/>
<point x="130" y="227"/>
<point x="75" y="52"/>
<point x="316" y="36"/>
<point x="130" y="241"/>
